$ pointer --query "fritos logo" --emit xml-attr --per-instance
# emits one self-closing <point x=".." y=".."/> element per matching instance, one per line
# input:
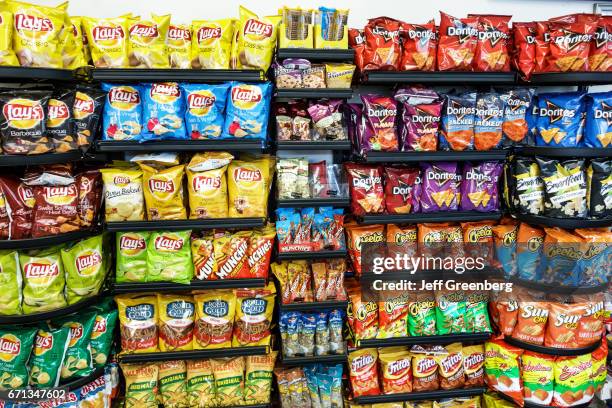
<point x="361" y="362"/>
<point x="246" y="96"/>
<point x="208" y="35"/>
<point x="258" y="28"/>
<point x="168" y="243"/>
<point x="35" y="270"/>
<point x="199" y="103"/>
<point x="161" y="186"/>
<point x="83" y="105"/>
<point x="426" y="366"/>
<point x="23" y="113"/>
<point x="124" y="97"/>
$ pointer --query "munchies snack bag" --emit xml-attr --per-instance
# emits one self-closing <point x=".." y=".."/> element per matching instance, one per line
<point x="254" y="41"/>
<point x="108" y="41"/>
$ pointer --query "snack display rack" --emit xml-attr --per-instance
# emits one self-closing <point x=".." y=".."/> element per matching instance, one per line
<point x="177" y="75"/>
<point x="210" y="223"/>
<point x="171" y="287"/>
<point x="10" y="74"/>
<point x="333" y="145"/>
<point x="551" y="350"/>
<point x="569" y="223"/>
<point x="449" y="216"/>
<point x="37" y="318"/>
<point x="193" y="354"/>
<point x="419" y="396"/>
<point x="43" y="242"/>
<point x="316" y="54"/>
<point x="417" y="157"/>
<point x="181" y="146"/>
<point x="315" y="93"/>
<point x="412" y="340"/>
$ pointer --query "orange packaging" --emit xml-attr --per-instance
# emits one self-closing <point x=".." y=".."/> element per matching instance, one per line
<point x="393" y="315"/>
<point x="590" y="326"/>
<point x="260" y="251"/>
<point x="598" y="359"/>
<point x="431" y="237"/>
<point x="492" y="52"/>
<point x="363" y="373"/>
<point x="542" y="45"/>
<point x="419" y="43"/>
<point x="360" y="234"/>
<point x="600" y="55"/>
<point x="450" y="367"/>
<point x="531" y="322"/>
<point x="569" y="46"/>
<point x="362" y="316"/>
<point x="401" y="240"/>
<point x="507" y="308"/>
<point x="396" y="371"/>
<point x="457" y="43"/>
<point x="231" y="255"/>
<point x="562" y="328"/>
<point x="425" y="369"/>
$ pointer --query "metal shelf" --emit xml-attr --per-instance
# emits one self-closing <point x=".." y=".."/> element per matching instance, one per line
<point x="416" y="157"/>
<point x="314" y="202"/>
<point x="339" y="145"/>
<point x="174" y="225"/>
<point x="441" y="216"/>
<point x="180" y="145"/>
<point x="326" y="359"/>
<point x="176" y="75"/>
<point x="550" y="350"/>
<point x="412" y="340"/>
<point x="286" y="256"/>
<point x="194" y="285"/>
<point x="314" y="306"/>
<point x="193" y="354"/>
<point x="571" y="78"/>
<point x="337" y="93"/>
<point x="43" y="242"/>
<point x="581" y="152"/>
<point x="78" y="383"/>
<point x="440" y="77"/>
<point x="35" y="318"/>
<point x="419" y="396"/>
<point x="558" y="288"/>
<point x="568" y="223"/>
<point x="36" y="74"/>
<point x="10" y="160"/>
<point x="316" y="54"/>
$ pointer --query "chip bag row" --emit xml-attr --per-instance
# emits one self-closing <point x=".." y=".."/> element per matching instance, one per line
<point x="218" y="382"/>
<point x="314" y="385"/>
<point x="312" y="334"/>
<point x="310" y="229"/>
<point x="301" y="281"/>
<point x="209" y="319"/>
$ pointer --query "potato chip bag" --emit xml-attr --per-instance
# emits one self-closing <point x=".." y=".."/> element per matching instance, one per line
<point x="138" y="316"/>
<point x="172" y="383"/>
<point x="162" y="111"/>
<point x="559" y="122"/>
<point x="147" y="42"/>
<point x="254" y="309"/>
<point x="178" y="46"/>
<point x="211" y="44"/>
<point x="50" y="347"/>
<point x="598" y="369"/>
<point x="176" y="318"/>
<point x="73" y="54"/>
<point x="122" y="118"/>
<point x="141" y="385"/>
<point x="573" y="381"/>
<point x="163" y="192"/>
<point x="457" y="130"/>
<point x="457" y="43"/>
<point x="15" y="347"/>
<point x="363" y="372"/>
<point x="43" y="280"/>
<point x="169" y="257"/>
<point x="396" y="371"/>
<point x="200" y="383"/>
<point x="36" y="32"/>
<point x="248" y="108"/>
<point x="131" y="257"/>
<point x="11" y="282"/>
<point x="77" y="360"/>
<point x="249" y="185"/>
<point x="538" y="377"/>
<point x="258" y="378"/>
<point x="123" y="193"/>
<point x="215" y="312"/>
<point x="108" y="41"/>
<point x="207" y="185"/>
<point x="514" y="126"/>
<point x="254" y="41"/>
<point x="229" y="380"/>
<point x="7" y="55"/>
<point x="502" y="372"/>
<point x="85" y="265"/>
<point x="86" y="112"/>
<point x="103" y="332"/>
<point x="562" y="328"/>
<point x="488" y="121"/>
<point x="205" y="109"/>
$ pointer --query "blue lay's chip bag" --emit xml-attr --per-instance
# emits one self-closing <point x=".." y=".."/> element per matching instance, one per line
<point x="205" y="109"/>
<point x="598" y="120"/>
<point x="248" y="108"/>
<point x="162" y="111"/>
<point x="122" y="118"/>
<point x="560" y="119"/>
<point x="458" y="122"/>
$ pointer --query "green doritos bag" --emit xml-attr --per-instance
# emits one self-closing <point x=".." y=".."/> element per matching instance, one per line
<point x="15" y="347"/>
<point x="102" y="334"/>
<point x="77" y="362"/>
<point x="47" y="356"/>
<point x="43" y="280"/>
<point x="131" y="257"/>
<point x="169" y="257"/>
<point x="85" y="265"/>
<point x="10" y="282"/>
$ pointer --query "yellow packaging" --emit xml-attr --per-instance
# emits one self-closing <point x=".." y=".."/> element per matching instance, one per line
<point x="172" y="386"/>
<point x="123" y="194"/>
<point x="86" y="53"/>
<point x="215" y="311"/>
<point x="163" y="192"/>
<point x="200" y="383"/>
<point x="71" y="44"/>
<point x="36" y="31"/>
<point x="176" y="320"/>
<point x="203" y="255"/>
<point x="258" y="378"/>
<point x="108" y="42"/>
<point x="140" y="385"/>
<point x="207" y="185"/>
<point x="254" y="41"/>
<point x="254" y="310"/>
<point x="211" y="44"/>
<point x="229" y="381"/>
<point x="249" y="186"/>
<point x="147" y="42"/>
<point x="339" y="75"/>
<point x="7" y="55"/>
<point x="138" y="316"/>
<point x="178" y="46"/>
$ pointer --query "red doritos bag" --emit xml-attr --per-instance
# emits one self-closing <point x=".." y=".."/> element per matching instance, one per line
<point x="357" y="42"/>
<point x="600" y="54"/>
<point x="366" y="188"/>
<point x="492" y="47"/>
<point x="382" y="48"/>
<point x="569" y="46"/>
<point x="524" y="48"/>
<point x="400" y="188"/>
<point x="542" y="48"/>
<point x="419" y="44"/>
<point x="458" y="40"/>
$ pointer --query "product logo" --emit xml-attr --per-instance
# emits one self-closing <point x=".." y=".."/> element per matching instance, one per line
<point x="10" y="347"/>
<point x="473" y="360"/>
<point x="421" y="33"/>
<point x="556" y="113"/>
<point x="165" y="92"/>
<point x="254" y="306"/>
<point x="426" y="366"/>
<point x="362" y="361"/>
<point x="234" y="260"/>
<point x="27" y="22"/>
<point x="121" y="180"/>
<point x="216" y="308"/>
<point x="246" y="96"/>
<point x="258" y="28"/>
<point x="83" y="105"/>
<point x="464" y="32"/>
<point x="23" y="113"/>
<point x="384" y="33"/>
<point x="491" y="34"/>
<point x="605" y="112"/>
<point x="60" y="195"/>
<point x="132" y="245"/>
<point x="89" y="263"/>
<point x="108" y="33"/>
<point x="76" y="332"/>
<point x="242" y="174"/>
<point x="452" y="362"/>
<point x="43" y="343"/>
<point x="180" y="309"/>
<point x="204" y="183"/>
<point x="398" y="366"/>
<point x="199" y="103"/>
<point x="124" y="97"/>
<point x="35" y="270"/>
<point x="168" y="243"/>
<point x="457" y="109"/>
<point x="161" y="186"/>
<point x="176" y="33"/>
<point x="99" y="327"/>
<point x="26" y="195"/>
<point x="144" y="311"/>
<point x="144" y="30"/>
<point x="58" y="112"/>
<point x="570" y="40"/>
<point x="208" y="35"/>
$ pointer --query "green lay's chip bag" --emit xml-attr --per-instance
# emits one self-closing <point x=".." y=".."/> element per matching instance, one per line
<point x="15" y="347"/>
<point x="86" y="266"/>
<point x="47" y="356"/>
<point x="43" y="280"/>
<point x="10" y="282"/>
<point x="77" y="362"/>
<point x="101" y="338"/>
<point x="169" y="257"/>
<point x="132" y="257"/>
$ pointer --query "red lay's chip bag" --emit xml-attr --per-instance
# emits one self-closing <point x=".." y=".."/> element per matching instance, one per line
<point x="457" y="44"/>
<point x="400" y="189"/>
<point x="569" y="46"/>
<point x="365" y="184"/>
<point x="382" y="48"/>
<point x="419" y="43"/>
<point x="524" y="48"/>
<point x="492" y="47"/>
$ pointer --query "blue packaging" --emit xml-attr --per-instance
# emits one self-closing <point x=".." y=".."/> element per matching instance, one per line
<point x="458" y="122"/>
<point x="559" y="122"/>
<point x="598" y="120"/>
<point x="205" y="109"/>
<point x="122" y="118"/>
<point x="248" y="108"/>
<point x="162" y="111"/>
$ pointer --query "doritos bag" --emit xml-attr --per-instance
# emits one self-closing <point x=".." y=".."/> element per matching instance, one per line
<point x="421" y="110"/>
<point x="569" y="46"/>
<point x="211" y="45"/>
<point x="479" y="186"/>
<point x="457" y="44"/>
<point x="542" y="45"/>
<point x="492" y="53"/>
<point x="378" y="119"/>
<point x="524" y="48"/>
<point x="440" y="187"/>
<point x="357" y="43"/>
<point x="205" y="109"/>
<point x="178" y="46"/>
<point x="516" y="104"/>
<point x="366" y="188"/>
<point x="559" y="119"/>
<point x="382" y="44"/>
<point x="419" y="43"/>
<point x="146" y="46"/>
<point x="108" y="41"/>
<point x="458" y="122"/>
<point x="400" y="189"/>
<point x="254" y="41"/>
<point x="600" y="54"/>
<point x="488" y="120"/>
<point x="598" y="132"/>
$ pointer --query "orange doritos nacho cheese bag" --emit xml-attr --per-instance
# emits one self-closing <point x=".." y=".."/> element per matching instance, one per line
<point x="492" y="53"/>
<point x="382" y="44"/>
<point x="457" y="44"/>
<point x="569" y="46"/>
<point x="419" y="45"/>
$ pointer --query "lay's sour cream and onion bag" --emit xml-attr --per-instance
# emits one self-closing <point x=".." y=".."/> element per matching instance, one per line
<point x="108" y="41"/>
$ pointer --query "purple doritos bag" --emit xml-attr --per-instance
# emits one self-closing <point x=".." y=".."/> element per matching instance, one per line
<point x="378" y="125"/>
<point x="421" y="109"/>
<point x="440" y="190"/>
<point x="479" y="190"/>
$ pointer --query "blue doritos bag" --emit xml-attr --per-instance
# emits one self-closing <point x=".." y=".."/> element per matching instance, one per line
<point x="205" y="109"/>
<point x="598" y="120"/>
<point x="248" y="108"/>
<point x="458" y="122"/>
<point x="122" y="119"/>
<point x="531" y="117"/>
<point x="163" y="110"/>
<point x="559" y="119"/>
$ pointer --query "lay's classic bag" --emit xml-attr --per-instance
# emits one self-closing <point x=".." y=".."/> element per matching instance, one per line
<point x="122" y="119"/>
<point x="211" y="44"/>
<point x="560" y="119"/>
<point x="178" y="46"/>
<point x="254" y="41"/>
<point x="107" y="39"/>
<point x="147" y="42"/>
<point x="205" y="109"/>
<point x="7" y="55"/>
<point x="598" y="132"/>
<point x="248" y="108"/>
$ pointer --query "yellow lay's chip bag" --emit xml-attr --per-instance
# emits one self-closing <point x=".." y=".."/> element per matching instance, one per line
<point x="178" y="46"/>
<point x="163" y="192"/>
<point x="147" y="42"/>
<point x="36" y="33"/>
<point x="7" y="55"/>
<point x="207" y="185"/>
<point x="71" y="44"/>
<point x="254" y="41"/>
<point x="108" y="41"/>
<point x="249" y="185"/>
<point x="211" y="43"/>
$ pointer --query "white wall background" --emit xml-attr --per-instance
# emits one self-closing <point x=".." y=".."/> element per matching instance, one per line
<point x="415" y="11"/>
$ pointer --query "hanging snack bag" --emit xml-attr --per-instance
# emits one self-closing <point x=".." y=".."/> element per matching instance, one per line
<point x="441" y="185"/>
<point x="598" y="130"/>
<point x="361" y="234"/>
<point x="48" y="354"/>
<point x="211" y="44"/>
<point x="530" y="242"/>
<point x="122" y="119"/>
<point x="457" y="132"/>
<point x="492" y="53"/>
<point x="366" y="187"/>
<point x="573" y="381"/>
<point x="562" y="329"/>
<point x="124" y="199"/>
<point x="108" y="41"/>
<point x="131" y="258"/>
<point x="479" y="186"/>
<point x="163" y="192"/>
<point x="138" y="316"/>
<point x="248" y="108"/>
<point x="392" y="315"/>
<point x="59" y="125"/>
<point x="200" y="383"/>
<point x="86" y="112"/>
<point x="450" y="367"/>
<point x="141" y="381"/>
<point x="71" y="44"/>
<point x="488" y="120"/>
<point x="169" y="257"/>
<point x="11" y="281"/>
<point x="163" y="108"/>
<point x="207" y="185"/>
<point x="254" y="309"/>
<point x="458" y="42"/>
<point x="176" y="322"/>
<point x="102" y="335"/>
<point x="559" y="122"/>
<point x="450" y="312"/>
<point x="89" y="184"/>
<point x="529" y="191"/>
<point x="215" y="312"/>
<point x="205" y="109"/>
<point x="16" y="348"/>
<point x="231" y="255"/>
<point x="254" y="41"/>
<point x="502" y="372"/>
<point x="260" y="251"/>
<point x="599" y="188"/>
<point x="382" y="49"/>
<point x="146" y="46"/>
<point x="178" y="46"/>
<point x="363" y="372"/>
<point x="203" y="255"/>
<point x="524" y="48"/>
<point x="85" y="266"/>
<point x="172" y="379"/>
<point x="77" y="361"/>
<point x="249" y="185"/>
<point x="43" y="280"/>
<point x="378" y="122"/>
<point x="419" y="42"/>
<point x="566" y="188"/>
<point x="55" y="211"/>
<point x="569" y="45"/>
<point x="23" y="122"/>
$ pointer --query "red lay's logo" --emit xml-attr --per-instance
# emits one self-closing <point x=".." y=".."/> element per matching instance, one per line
<point x="246" y="94"/>
<point x="44" y="342"/>
<point x="105" y="33"/>
<point x="161" y="186"/>
<point x="127" y="242"/>
<point x="17" y="111"/>
<point x="87" y="261"/>
<point x="26" y="22"/>
<point x="67" y="191"/>
<point x="243" y="174"/>
<point x="198" y="101"/>
<point x="83" y="104"/>
<point x="256" y="27"/>
<point x="26" y="194"/>
<point x="121" y="180"/>
<point x="123" y="94"/>
<point x="168" y="243"/>
<point x="144" y="30"/>
<point x="178" y="33"/>
<point x="76" y="332"/>
<point x="202" y="183"/>
<point x="165" y="90"/>
<point x="10" y="346"/>
<point x="208" y="33"/>
<point x="57" y="113"/>
<point x="40" y="270"/>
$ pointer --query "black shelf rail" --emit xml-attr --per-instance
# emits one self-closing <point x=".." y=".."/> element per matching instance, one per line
<point x="43" y="242"/>
<point x="338" y="93"/>
<point x="338" y="145"/>
<point x="36" y="74"/>
<point x="78" y="383"/>
<point x="416" y="157"/>
<point x="571" y="78"/>
<point x="314" y="306"/>
<point x="412" y="340"/>
<point x="534" y="405"/>
<point x="419" y="396"/>
<point x="558" y="288"/>
<point x="180" y="145"/>
<point x="326" y="359"/>
<point x="193" y="354"/>
<point x="440" y="78"/>
<point x="314" y="202"/>
<point x="316" y="54"/>
<point x="582" y="152"/>
<point x="287" y="256"/>
<point x="550" y="350"/>
<point x="568" y="223"/>
<point x="174" y="225"/>
<point x="440" y="216"/>
<point x="135" y="287"/>
<point x="10" y="160"/>
<point x="35" y="318"/>
<point x="176" y="75"/>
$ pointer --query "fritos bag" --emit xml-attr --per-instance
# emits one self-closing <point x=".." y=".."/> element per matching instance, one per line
<point x="382" y="44"/>
<point x="457" y="44"/>
<point x="215" y="312"/>
<point x="363" y="372"/>
<point x="425" y="368"/>
<point x="538" y="377"/>
<point x="146" y="46"/>
<point x="396" y="371"/>
<point x="108" y="41"/>
<point x="419" y="43"/>
<point x="450" y="367"/>
<point x="211" y="44"/>
<point x="176" y="322"/>
<point x="473" y="365"/>
<point x="254" y="41"/>
<point x="492" y="53"/>
<point x="207" y="185"/>
<point x="573" y="381"/>
<point x="163" y="192"/>
<point x="502" y="372"/>
<point x="178" y="46"/>
<point x="124" y="199"/>
<point x="249" y="185"/>
<point x="254" y="308"/>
